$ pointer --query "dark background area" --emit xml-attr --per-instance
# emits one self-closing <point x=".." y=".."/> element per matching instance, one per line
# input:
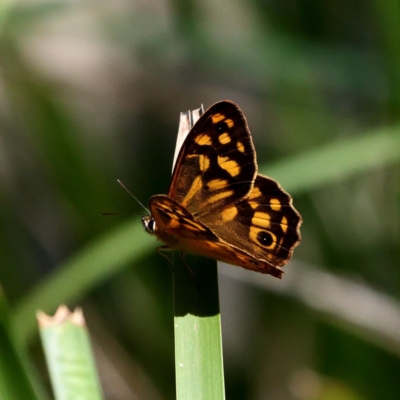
<point x="91" y="92"/>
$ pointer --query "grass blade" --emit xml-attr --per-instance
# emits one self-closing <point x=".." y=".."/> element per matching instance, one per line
<point x="198" y="342"/>
<point x="197" y="322"/>
<point x="69" y="356"/>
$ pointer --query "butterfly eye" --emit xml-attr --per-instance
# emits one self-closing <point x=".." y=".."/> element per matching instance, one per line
<point x="264" y="238"/>
<point x="149" y="223"/>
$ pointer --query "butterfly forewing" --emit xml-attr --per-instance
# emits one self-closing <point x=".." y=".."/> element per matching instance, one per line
<point x="173" y="222"/>
<point x="176" y="227"/>
<point x="216" y="164"/>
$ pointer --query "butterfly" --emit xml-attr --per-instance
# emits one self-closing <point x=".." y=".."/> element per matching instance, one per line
<point x="218" y="206"/>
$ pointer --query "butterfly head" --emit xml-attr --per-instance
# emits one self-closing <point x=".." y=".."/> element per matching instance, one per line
<point x="149" y="224"/>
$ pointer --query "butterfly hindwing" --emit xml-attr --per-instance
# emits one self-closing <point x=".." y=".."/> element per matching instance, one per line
<point x="216" y="164"/>
<point x="265" y="224"/>
<point x="275" y="225"/>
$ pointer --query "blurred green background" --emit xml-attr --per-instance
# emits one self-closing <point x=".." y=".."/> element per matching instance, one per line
<point x="91" y="91"/>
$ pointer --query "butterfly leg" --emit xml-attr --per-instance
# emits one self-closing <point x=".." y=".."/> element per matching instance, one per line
<point x="163" y="251"/>
<point x="195" y="280"/>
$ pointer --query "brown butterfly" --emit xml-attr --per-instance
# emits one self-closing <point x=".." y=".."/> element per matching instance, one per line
<point x="218" y="206"/>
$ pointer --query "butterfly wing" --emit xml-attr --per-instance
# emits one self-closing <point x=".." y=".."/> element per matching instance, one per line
<point x="217" y="205"/>
<point x="265" y="225"/>
<point x="216" y="164"/>
<point x="175" y="222"/>
<point x="178" y="229"/>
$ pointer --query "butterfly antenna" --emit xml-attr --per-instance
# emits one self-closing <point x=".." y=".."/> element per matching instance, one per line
<point x="132" y="195"/>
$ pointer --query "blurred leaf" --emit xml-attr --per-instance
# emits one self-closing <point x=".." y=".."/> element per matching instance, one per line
<point x="17" y="379"/>
<point x="337" y="161"/>
<point x="99" y="261"/>
<point x="4" y="11"/>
